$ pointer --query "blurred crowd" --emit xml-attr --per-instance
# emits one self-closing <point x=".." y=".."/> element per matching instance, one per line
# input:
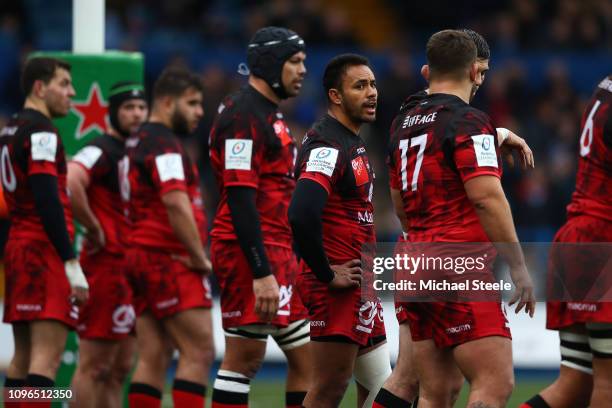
<point x="545" y="110"/>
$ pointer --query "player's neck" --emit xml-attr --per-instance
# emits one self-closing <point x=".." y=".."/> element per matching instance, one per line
<point x="338" y="114"/>
<point x="451" y="87"/>
<point x="263" y="88"/>
<point x="160" y="117"/>
<point x="38" y="105"/>
<point x="113" y="133"/>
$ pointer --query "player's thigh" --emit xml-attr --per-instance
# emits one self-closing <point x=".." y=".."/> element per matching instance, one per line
<point x="488" y="359"/>
<point x="435" y="368"/>
<point x="125" y="356"/>
<point x="21" y="338"/>
<point x="48" y="337"/>
<point x="190" y="329"/>
<point x="243" y="354"/>
<point x="154" y="345"/>
<point x="333" y="362"/>
<point x="405" y="374"/>
<point x="98" y="355"/>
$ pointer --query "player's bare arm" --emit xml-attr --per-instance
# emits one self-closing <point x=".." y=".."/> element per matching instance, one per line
<point x="78" y="182"/>
<point x="493" y="210"/>
<point x="182" y="221"/>
<point x="510" y="142"/>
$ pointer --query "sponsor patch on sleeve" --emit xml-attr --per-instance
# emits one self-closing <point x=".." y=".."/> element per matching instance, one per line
<point x="484" y="148"/>
<point x="170" y="167"/>
<point x="44" y="146"/>
<point x="238" y="154"/>
<point x="88" y="156"/>
<point x="322" y="160"/>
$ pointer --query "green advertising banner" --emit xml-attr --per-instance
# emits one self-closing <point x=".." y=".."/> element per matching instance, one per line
<point x="92" y="77"/>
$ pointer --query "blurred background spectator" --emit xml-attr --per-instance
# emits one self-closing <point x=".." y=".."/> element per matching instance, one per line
<point x="547" y="56"/>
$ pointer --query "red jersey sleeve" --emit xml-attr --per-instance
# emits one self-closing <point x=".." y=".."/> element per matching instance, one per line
<point x="241" y="151"/>
<point x="93" y="160"/>
<point x="476" y="151"/>
<point x="44" y="152"/>
<point x="322" y="163"/>
<point x="167" y="168"/>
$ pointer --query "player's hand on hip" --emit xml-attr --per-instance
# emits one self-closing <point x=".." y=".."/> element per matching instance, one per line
<point x="516" y="143"/>
<point x="266" y="297"/>
<point x="200" y="263"/>
<point x="523" y="296"/>
<point x="78" y="283"/>
<point x="347" y="275"/>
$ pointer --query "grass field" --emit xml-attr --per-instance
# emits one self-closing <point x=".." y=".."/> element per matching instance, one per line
<point x="271" y="394"/>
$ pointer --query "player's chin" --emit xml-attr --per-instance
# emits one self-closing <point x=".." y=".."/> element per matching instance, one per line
<point x="294" y="91"/>
<point x="368" y="115"/>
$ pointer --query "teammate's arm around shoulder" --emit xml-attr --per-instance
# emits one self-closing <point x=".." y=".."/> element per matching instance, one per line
<point x="78" y="183"/>
<point x="486" y="194"/>
<point x="183" y="223"/>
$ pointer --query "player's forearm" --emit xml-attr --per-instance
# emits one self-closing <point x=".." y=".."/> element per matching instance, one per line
<point x="247" y="226"/>
<point x="305" y="218"/>
<point x="184" y="226"/>
<point x="496" y="219"/>
<point x="51" y="213"/>
<point x="80" y="207"/>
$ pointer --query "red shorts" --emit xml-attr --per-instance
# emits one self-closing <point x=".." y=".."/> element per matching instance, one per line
<point x="108" y="314"/>
<point x="453" y="323"/>
<point x="563" y="314"/>
<point x="340" y="313"/>
<point x="163" y="285"/>
<point x="401" y="313"/>
<point x="236" y="282"/>
<point x="36" y="284"/>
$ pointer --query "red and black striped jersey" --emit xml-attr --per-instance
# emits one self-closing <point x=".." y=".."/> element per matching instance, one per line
<point x="593" y="194"/>
<point x="252" y="146"/>
<point x="30" y="144"/>
<point x="336" y="158"/>
<point x="100" y="159"/>
<point x="437" y="143"/>
<point x="155" y="164"/>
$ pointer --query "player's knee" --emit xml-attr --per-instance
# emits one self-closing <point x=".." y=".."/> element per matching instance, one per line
<point x="121" y="370"/>
<point x="99" y="372"/>
<point x="331" y="391"/>
<point x="252" y="365"/>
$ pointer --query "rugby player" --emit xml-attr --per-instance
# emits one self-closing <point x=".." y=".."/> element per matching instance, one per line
<point x="106" y="322"/>
<point x="252" y="155"/>
<point x="44" y="281"/>
<point x="331" y="215"/>
<point x="167" y="264"/>
<point x="401" y="388"/>
<point x="585" y="328"/>
<point x="474" y="209"/>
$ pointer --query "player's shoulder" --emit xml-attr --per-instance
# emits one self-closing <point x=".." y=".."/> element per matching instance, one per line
<point x="30" y="121"/>
<point x="467" y="116"/>
<point x="604" y="89"/>
<point x="237" y="103"/>
<point x="328" y="130"/>
<point x="152" y="139"/>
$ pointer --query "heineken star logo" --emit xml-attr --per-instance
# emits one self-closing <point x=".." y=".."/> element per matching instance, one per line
<point x="91" y="112"/>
